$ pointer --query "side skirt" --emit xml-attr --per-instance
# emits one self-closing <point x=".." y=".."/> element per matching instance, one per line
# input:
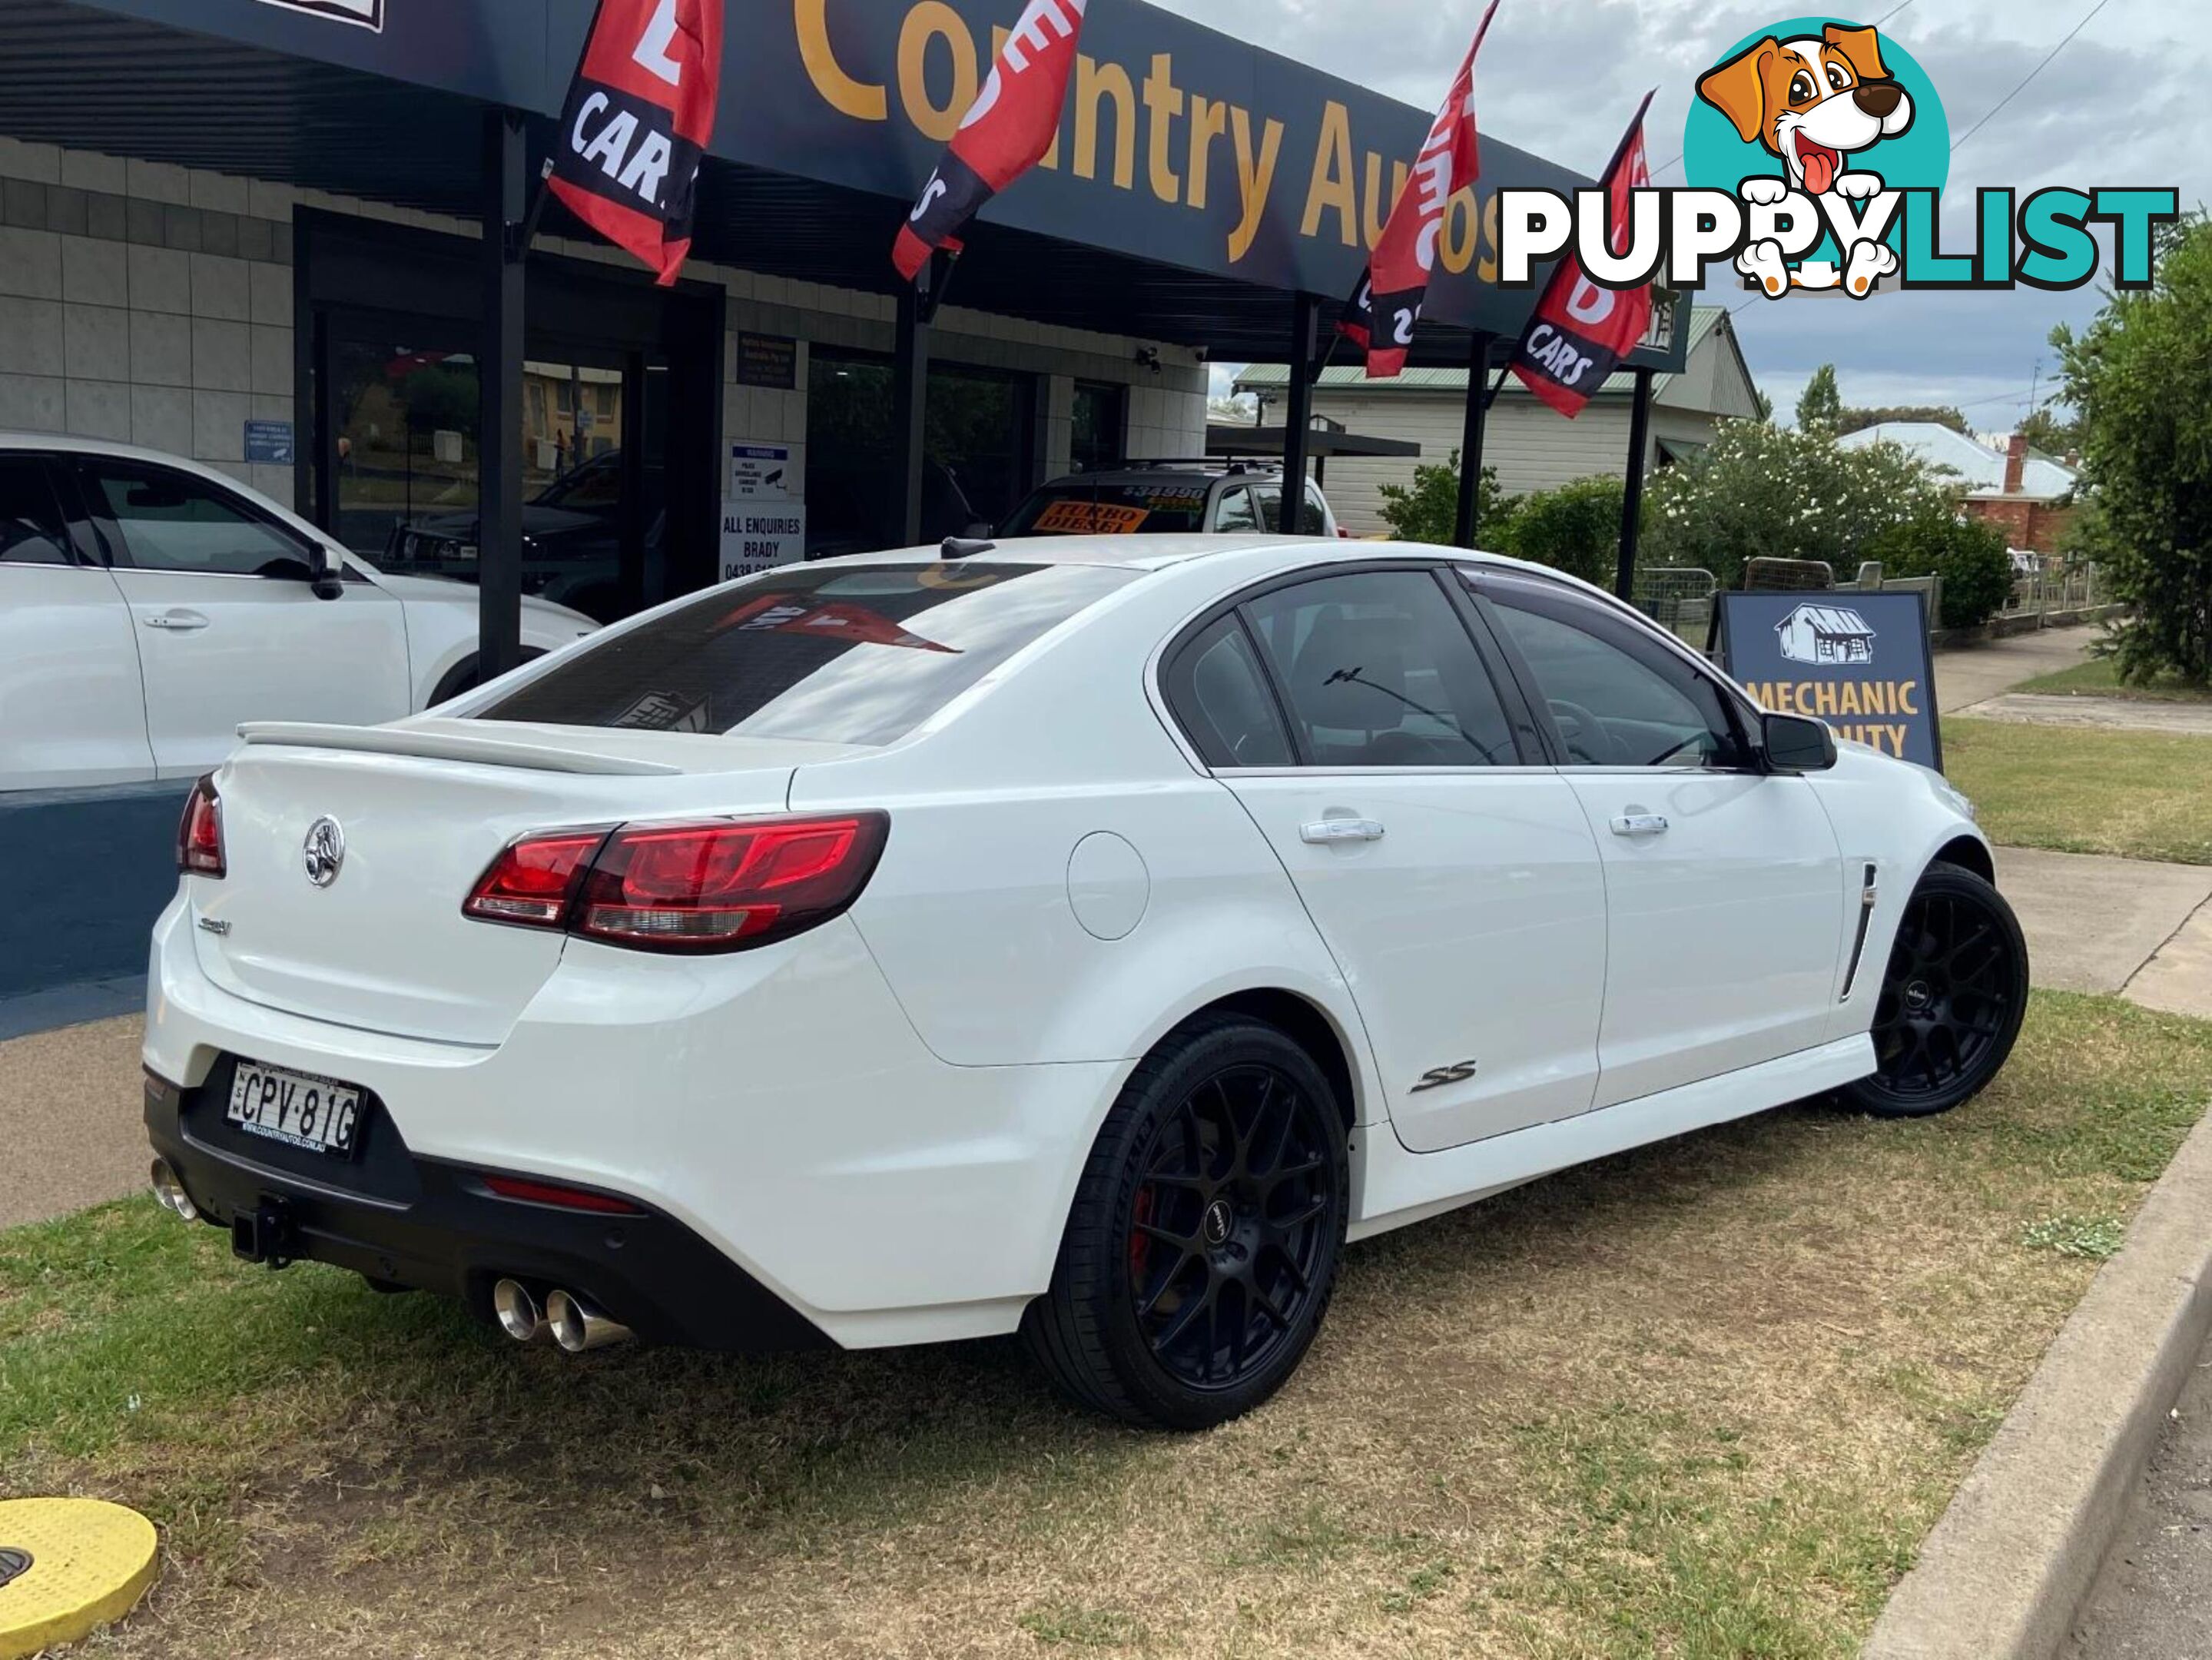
<point x="1392" y="1187"/>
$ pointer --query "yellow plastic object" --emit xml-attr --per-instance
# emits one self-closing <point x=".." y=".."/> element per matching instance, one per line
<point x="90" y="1562"/>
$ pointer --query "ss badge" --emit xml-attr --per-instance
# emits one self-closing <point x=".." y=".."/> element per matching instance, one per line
<point x="1458" y="1073"/>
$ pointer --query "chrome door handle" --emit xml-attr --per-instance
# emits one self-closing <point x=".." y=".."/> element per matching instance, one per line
<point x="1640" y="823"/>
<point x="1323" y="831"/>
<point x="176" y="622"/>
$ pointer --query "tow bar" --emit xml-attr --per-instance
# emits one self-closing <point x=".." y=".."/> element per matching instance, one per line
<point x="265" y="1234"/>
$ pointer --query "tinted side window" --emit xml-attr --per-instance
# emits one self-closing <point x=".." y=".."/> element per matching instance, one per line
<point x="1379" y="671"/>
<point x="1234" y="512"/>
<point x="173" y="521"/>
<point x="1220" y="698"/>
<point x="31" y="530"/>
<point x="1270" y="498"/>
<point x="1618" y="699"/>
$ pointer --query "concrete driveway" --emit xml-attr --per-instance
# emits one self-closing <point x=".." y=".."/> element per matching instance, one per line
<point x="1972" y="674"/>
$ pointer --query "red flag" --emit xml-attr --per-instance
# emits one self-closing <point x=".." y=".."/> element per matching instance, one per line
<point x="1396" y="279"/>
<point x="640" y="112"/>
<point x="1579" y="332"/>
<point x="1005" y="133"/>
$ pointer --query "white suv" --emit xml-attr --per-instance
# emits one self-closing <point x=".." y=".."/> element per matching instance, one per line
<point x="148" y="605"/>
<point x="1167" y="498"/>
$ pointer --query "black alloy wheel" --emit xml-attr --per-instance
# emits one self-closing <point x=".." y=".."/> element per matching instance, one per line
<point x="1226" y="1224"/>
<point x="1951" y="1000"/>
<point x="1203" y="1246"/>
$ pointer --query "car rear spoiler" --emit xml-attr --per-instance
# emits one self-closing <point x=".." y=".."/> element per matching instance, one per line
<point x="446" y="746"/>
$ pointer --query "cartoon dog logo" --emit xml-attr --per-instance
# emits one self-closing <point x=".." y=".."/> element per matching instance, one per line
<point x="1816" y="102"/>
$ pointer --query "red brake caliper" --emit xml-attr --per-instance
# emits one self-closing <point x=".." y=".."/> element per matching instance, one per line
<point x="1139" y="1241"/>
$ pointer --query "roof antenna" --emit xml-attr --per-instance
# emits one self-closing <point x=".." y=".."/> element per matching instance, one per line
<point x="962" y="547"/>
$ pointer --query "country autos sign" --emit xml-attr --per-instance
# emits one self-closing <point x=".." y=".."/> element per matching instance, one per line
<point x="1858" y="661"/>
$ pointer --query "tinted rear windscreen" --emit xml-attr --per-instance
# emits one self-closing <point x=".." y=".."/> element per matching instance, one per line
<point x="1079" y="509"/>
<point x="841" y="654"/>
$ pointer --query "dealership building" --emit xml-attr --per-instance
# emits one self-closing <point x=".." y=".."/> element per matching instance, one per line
<point x="252" y="232"/>
<point x="302" y="241"/>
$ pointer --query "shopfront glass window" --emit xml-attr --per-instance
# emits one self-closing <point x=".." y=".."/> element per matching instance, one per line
<point x="977" y="451"/>
<point x="408" y="450"/>
<point x="1096" y="441"/>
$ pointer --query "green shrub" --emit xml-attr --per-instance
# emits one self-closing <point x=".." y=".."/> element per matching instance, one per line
<point x="1765" y="491"/>
<point x="1428" y="510"/>
<point x="1575" y="528"/>
<point x="2141" y="378"/>
<point x="1968" y="556"/>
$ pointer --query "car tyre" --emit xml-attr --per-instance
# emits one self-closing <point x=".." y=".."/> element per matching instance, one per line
<point x="1203" y="1244"/>
<point x="1952" y="998"/>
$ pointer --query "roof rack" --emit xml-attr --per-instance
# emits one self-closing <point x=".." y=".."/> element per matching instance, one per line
<point x="1214" y="463"/>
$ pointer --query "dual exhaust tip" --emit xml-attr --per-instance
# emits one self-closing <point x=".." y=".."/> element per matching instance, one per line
<point x="573" y="1324"/>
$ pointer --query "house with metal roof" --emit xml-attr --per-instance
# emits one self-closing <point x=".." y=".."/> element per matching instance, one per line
<point x="2025" y="495"/>
<point x="1531" y="447"/>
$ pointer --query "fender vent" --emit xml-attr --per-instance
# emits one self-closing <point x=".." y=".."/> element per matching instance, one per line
<point x="1858" y="944"/>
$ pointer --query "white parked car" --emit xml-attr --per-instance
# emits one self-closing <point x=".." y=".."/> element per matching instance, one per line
<point x="1083" y="936"/>
<point x="148" y="605"/>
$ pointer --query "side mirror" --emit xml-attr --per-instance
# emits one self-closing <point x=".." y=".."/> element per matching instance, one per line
<point x="329" y="580"/>
<point x="1797" y="743"/>
<point x="978" y="530"/>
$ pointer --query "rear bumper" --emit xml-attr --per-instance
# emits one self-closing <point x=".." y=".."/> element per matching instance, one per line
<point x="431" y="1225"/>
<point x="774" y="1105"/>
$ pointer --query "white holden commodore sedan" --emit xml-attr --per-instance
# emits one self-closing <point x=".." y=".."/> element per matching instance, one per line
<point x="1086" y="937"/>
<point x="149" y="604"/>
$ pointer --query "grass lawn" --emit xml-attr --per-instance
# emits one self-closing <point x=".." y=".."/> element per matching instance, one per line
<point x="2099" y="677"/>
<point x="1701" y="1399"/>
<point x="2139" y="794"/>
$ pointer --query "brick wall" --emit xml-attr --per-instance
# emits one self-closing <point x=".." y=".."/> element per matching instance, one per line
<point x="2024" y="522"/>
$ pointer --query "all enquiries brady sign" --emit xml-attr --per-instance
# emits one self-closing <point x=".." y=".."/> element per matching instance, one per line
<point x="1859" y="661"/>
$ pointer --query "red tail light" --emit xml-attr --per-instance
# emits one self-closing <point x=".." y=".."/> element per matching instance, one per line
<point x="199" y="832"/>
<point x="533" y="881"/>
<point x="1342" y="534"/>
<point x="722" y="885"/>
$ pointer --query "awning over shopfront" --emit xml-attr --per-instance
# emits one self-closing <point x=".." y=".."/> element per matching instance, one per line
<point x="1202" y="192"/>
<point x="1198" y="179"/>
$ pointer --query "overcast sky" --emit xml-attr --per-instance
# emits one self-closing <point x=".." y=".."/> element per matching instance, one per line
<point x="2124" y="104"/>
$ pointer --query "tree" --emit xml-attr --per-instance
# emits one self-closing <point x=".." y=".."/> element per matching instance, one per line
<point x="1968" y="554"/>
<point x="1765" y="491"/>
<point x="1820" y="406"/>
<point x="1428" y="509"/>
<point x="1763" y="404"/>
<point x="1575" y="528"/>
<point x="2140" y="378"/>
<point x="2047" y="432"/>
<point x="1943" y="414"/>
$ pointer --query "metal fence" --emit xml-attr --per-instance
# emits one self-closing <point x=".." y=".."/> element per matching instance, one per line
<point x="2059" y="585"/>
<point x="1681" y="597"/>
<point x="1677" y="597"/>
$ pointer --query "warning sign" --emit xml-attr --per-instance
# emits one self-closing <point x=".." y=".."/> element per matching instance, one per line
<point x="1076" y="517"/>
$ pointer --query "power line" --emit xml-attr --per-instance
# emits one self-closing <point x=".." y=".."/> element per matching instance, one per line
<point x="2031" y="75"/>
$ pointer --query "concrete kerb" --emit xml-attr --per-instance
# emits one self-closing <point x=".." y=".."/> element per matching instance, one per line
<point x="2004" y="1571"/>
